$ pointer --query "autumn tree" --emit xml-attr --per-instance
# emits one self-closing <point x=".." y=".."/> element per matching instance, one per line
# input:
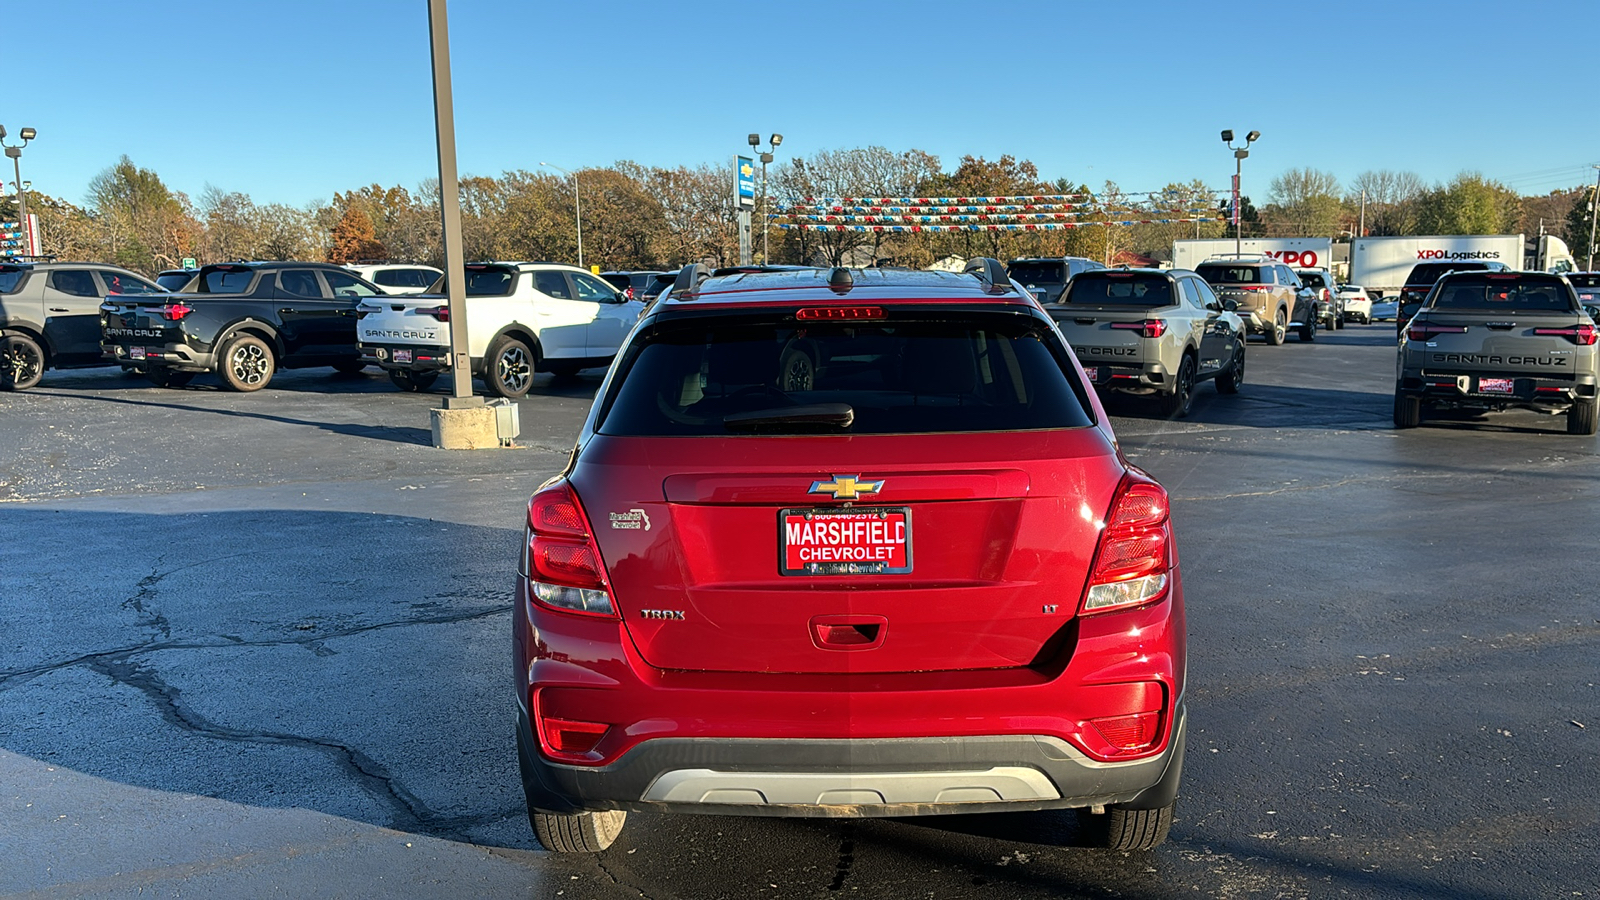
<point x="1390" y="199"/>
<point x="1580" y="229"/>
<point x="354" y="239"/>
<point x="1468" y="204"/>
<point x="146" y="225"/>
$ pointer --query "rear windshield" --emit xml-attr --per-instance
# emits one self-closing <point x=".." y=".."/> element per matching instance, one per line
<point x="403" y="278"/>
<point x="1312" y="279"/>
<point x="1119" y="289"/>
<point x="482" y="282"/>
<point x="912" y="375"/>
<point x="1506" y="292"/>
<point x="172" y="281"/>
<point x="1584" y="279"/>
<point x="1425" y="274"/>
<point x="1037" y="272"/>
<point x="618" y="280"/>
<point x="1220" y="274"/>
<point x="226" y="281"/>
<point x="10" y="278"/>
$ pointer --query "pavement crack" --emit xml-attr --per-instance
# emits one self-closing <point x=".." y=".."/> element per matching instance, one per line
<point x="847" y="856"/>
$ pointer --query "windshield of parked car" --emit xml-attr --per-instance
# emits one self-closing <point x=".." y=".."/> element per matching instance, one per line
<point x="173" y="281"/>
<point x="1037" y="272"/>
<point x="483" y="281"/>
<point x="10" y="277"/>
<point x="1224" y="274"/>
<point x="1312" y="279"/>
<point x="1496" y="291"/>
<point x="1119" y="289"/>
<point x="914" y="373"/>
<point x="1425" y="274"/>
<point x="1584" y="279"/>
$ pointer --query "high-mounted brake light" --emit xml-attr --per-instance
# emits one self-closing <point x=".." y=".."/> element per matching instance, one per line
<point x="1150" y="328"/>
<point x="442" y="313"/>
<point x="176" y="311"/>
<point x="1582" y="335"/>
<point x="1426" y="332"/>
<point x="561" y="560"/>
<point x="1133" y="562"/>
<point x="838" y="313"/>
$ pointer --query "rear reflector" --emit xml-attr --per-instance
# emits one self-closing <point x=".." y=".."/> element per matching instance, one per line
<point x="1134" y="732"/>
<point x="836" y="313"/>
<point x="571" y="737"/>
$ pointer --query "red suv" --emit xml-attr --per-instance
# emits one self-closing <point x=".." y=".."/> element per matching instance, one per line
<point x="848" y="543"/>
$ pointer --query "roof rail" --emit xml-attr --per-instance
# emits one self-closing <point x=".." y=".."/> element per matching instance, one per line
<point x="690" y="278"/>
<point x="989" y="271"/>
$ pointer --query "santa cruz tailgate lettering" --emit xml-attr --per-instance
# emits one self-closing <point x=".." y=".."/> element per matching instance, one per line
<point x="1481" y="359"/>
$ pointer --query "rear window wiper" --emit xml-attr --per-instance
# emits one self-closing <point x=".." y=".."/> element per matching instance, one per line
<point x="820" y="415"/>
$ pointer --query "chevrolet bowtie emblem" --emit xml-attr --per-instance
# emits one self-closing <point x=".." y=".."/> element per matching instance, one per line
<point x="846" y="487"/>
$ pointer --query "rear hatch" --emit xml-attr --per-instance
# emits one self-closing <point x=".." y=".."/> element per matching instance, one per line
<point x="140" y="319"/>
<point x="1045" y="279"/>
<point x="1108" y="316"/>
<point x="405" y="320"/>
<point x="1239" y="282"/>
<point x="745" y="528"/>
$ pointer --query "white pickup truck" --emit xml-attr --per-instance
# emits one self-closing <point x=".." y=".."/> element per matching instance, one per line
<point x="521" y="318"/>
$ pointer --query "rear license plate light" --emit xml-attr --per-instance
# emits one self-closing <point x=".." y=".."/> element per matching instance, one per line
<point x="856" y="541"/>
<point x="1496" y="385"/>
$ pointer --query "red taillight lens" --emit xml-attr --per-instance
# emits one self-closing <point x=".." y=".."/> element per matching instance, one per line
<point x="176" y="311"/>
<point x="442" y="313"/>
<point x="562" y="562"/>
<point x="1134" y="732"/>
<point x="1582" y="335"/>
<point x="1426" y="332"/>
<point x="1254" y="287"/>
<point x="1133" y="562"/>
<point x="570" y="737"/>
<point x="1150" y="328"/>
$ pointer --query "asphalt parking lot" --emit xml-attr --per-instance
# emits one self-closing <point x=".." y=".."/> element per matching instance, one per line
<point x="259" y="644"/>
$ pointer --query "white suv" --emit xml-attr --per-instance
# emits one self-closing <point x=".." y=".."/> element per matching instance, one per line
<point x="521" y="318"/>
<point x="398" y="278"/>
<point x="1357" y="305"/>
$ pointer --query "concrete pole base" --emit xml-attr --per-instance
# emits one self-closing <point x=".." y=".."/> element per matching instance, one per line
<point x="472" y="428"/>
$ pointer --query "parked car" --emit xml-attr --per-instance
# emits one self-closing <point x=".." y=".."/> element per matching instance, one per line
<point x="1587" y="286"/>
<point x="1385" y="310"/>
<point x="845" y="543"/>
<point x="50" y="316"/>
<point x="398" y="278"/>
<point x="1047" y="277"/>
<point x="242" y="321"/>
<point x="175" y="279"/>
<point x="1491" y="340"/>
<point x="1422" y="278"/>
<point x="1271" y="300"/>
<point x="1152" y="332"/>
<point x="1330" y="306"/>
<point x="522" y="318"/>
<point x="1357" y="305"/>
<point x="640" y="285"/>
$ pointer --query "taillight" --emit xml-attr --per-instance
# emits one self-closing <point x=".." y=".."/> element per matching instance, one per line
<point x="1132" y="732"/>
<point x="442" y="313"/>
<point x="1133" y="562"/>
<point x="1582" y="335"/>
<point x="1426" y="332"/>
<point x="569" y="736"/>
<point x="562" y="562"/>
<point x="176" y="311"/>
<point x="1150" y="328"/>
<point x="1253" y="287"/>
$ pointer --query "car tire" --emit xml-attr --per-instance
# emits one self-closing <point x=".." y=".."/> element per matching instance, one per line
<point x="1128" y="829"/>
<point x="582" y="832"/>
<point x="349" y="366"/>
<point x="1279" y="329"/>
<point x="1229" y="379"/>
<point x="21" y="362"/>
<point x="1176" y="404"/>
<point x="797" y="371"/>
<point x="1407" y="411"/>
<point x="163" y="377"/>
<point x="247" y="364"/>
<point x="1581" y="418"/>
<point x="508" y="368"/>
<point x="1308" y="332"/>
<point x="412" y="381"/>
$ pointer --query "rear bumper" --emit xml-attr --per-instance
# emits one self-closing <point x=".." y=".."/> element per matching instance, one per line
<point x="423" y="358"/>
<point x="1528" y="391"/>
<point x="176" y="356"/>
<point x="852" y="778"/>
<point x="1130" y="377"/>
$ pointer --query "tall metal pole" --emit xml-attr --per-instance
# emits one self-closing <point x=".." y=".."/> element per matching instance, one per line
<point x="1238" y="200"/>
<point x="22" y="200"/>
<point x="765" y="259"/>
<point x="444" y="123"/>
<point x="1594" y="205"/>
<point x="1361" y="229"/>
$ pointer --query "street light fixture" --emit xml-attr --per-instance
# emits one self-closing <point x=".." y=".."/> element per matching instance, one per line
<point x="766" y="157"/>
<point x="15" y="152"/>
<point x="577" y="204"/>
<point x="1239" y="154"/>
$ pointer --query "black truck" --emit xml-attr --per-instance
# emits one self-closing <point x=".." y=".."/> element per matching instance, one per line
<point x="243" y="321"/>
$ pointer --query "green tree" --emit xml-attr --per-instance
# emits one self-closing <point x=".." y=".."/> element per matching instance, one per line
<point x="1469" y="204"/>
<point x="146" y="225"/>
<point x="1579" y="226"/>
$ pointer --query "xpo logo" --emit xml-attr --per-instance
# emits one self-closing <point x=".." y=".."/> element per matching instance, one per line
<point x="1305" y="259"/>
<point x="1458" y="254"/>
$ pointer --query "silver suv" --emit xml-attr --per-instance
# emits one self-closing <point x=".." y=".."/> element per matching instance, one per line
<point x="50" y="316"/>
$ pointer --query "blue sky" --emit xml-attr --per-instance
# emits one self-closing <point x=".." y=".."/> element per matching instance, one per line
<point x="292" y="100"/>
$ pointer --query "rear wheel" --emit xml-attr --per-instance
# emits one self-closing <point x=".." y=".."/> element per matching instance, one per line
<point x="412" y="381"/>
<point x="1408" y="411"/>
<point x="21" y="362"/>
<point x="508" y="370"/>
<point x="1581" y="418"/>
<point x="1308" y="331"/>
<point x="1279" y="329"/>
<point x="163" y="377"/>
<point x="583" y="832"/>
<point x="1229" y="379"/>
<point x="1176" y="404"/>
<point x="1128" y="829"/>
<point x="247" y="363"/>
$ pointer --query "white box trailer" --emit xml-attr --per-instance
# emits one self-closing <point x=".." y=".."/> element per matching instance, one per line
<point x="1296" y="253"/>
<point x="1381" y="264"/>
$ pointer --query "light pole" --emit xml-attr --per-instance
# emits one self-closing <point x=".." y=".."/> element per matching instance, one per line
<point x="1239" y="154"/>
<point x="1594" y="204"/>
<point x="15" y="152"/>
<point x="577" y="204"/>
<point x="766" y="157"/>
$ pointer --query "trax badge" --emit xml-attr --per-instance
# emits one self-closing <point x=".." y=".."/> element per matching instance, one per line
<point x="846" y="487"/>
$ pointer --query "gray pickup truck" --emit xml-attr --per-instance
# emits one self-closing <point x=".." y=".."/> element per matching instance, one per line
<point x="1152" y="332"/>
<point x="1493" y="340"/>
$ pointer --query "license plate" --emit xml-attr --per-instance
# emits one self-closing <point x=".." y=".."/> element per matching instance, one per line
<point x="1496" y="385"/>
<point x="136" y="352"/>
<point x="402" y="356"/>
<point x="856" y="541"/>
<point x="1093" y="372"/>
